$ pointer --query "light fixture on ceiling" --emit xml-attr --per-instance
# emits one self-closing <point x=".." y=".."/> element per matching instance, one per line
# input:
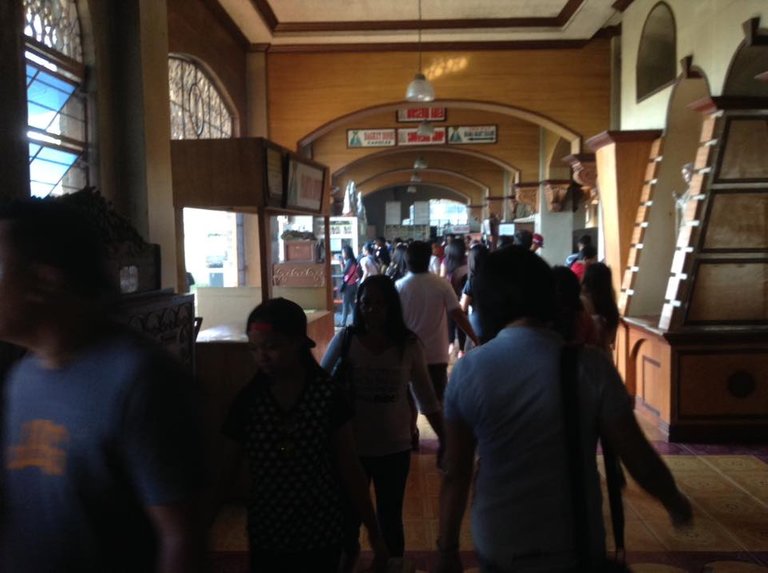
<point x="415" y="178"/>
<point x="420" y="163"/>
<point x="420" y="90"/>
<point x="411" y="189"/>
<point x="425" y="129"/>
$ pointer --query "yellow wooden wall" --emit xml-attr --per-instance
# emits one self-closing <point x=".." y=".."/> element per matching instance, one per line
<point x="309" y="90"/>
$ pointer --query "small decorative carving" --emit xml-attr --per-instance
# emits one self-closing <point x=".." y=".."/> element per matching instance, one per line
<point x="298" y="275"/>
<point x="528" y="194"/>
<point x="584" y="169"/>
<point x="557" y="195"/>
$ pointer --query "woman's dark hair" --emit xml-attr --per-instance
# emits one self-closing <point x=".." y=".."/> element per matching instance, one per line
<point x="512" y="284"/>
<point x="477" y="255"/>
<point x="568" y="302"/>
<point x="588" y="252"/>
<point x="348" y="252"/>
<point x="455" y="256"/>
<point x="398" y="259"/>
<point x="597" y="285"/>
<point x="395" y="327"/>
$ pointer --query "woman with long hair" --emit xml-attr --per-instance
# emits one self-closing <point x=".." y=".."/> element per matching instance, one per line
<point x="385" y="362"/>
<point x="454" y="269"/>
<point x="348" y="286"/>
<point x="600" y="301"/>
<point x="397" y="268"/>
<point x="572" y="321"/>
<point x="293" y="425"/>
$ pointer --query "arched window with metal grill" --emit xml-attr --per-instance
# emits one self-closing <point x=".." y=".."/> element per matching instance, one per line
<point x="56" y="103"/>
<point x="198" y="108"/>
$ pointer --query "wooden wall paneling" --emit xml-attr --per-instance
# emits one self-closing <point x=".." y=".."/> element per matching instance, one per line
<point x="307" y="91"/>
<point x="218" y="173"/>
<point x="622" y="164"/>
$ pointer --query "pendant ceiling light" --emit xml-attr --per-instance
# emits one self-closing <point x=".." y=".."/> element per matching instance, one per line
<point x="420" y="90"/>
<point x="415" y="178"/>
<point x="411" y="189"/>
<point x="420" y="163"/>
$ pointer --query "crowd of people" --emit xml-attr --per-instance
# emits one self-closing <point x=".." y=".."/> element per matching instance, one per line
<point x="103" y="465"/>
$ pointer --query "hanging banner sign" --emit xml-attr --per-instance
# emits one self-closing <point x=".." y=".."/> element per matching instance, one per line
<point x="468" y="134"/>
<point x="421" y="114"/>
<point x="410" y="136"/>
<point x="371" y="138"/>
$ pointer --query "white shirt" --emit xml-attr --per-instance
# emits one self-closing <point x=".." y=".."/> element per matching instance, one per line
<point x="370" y="267"/>
<point x="426" y="301"/>
<point x="380" y="384"/>
<point x="508" y="391"/>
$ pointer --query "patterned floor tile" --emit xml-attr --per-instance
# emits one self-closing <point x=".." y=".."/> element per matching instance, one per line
<point x="755" y="483"/>
<point x="750" y="532"/>
<point x="703" y="484"/>
<point x="733" y="505"/>
<point x="703" y="535"/>
<point x="686" y="463"/>
<point x="731" y="464"/>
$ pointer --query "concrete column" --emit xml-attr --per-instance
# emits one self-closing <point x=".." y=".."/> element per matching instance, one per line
<point x="131" y="41"/>
<point x="14" y="162"/>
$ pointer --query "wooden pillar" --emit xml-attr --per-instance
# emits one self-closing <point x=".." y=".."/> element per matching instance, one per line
<point x="14" y="164"/>
<point x="622" y="161"/>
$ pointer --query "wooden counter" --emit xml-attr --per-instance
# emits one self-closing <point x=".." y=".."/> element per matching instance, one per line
<point x="699" y="384"/>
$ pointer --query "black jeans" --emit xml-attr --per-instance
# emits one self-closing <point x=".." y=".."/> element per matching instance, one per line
<point x="438" y="373"/>
<point x="389" y="474"/>
<point x="323" y="560"/>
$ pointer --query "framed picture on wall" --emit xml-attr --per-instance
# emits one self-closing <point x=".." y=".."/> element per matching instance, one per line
<point x="274" y="170"/>
<point x="306" y="185"/>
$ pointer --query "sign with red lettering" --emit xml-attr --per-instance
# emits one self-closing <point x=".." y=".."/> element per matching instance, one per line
<point x="371" y="138"/>
<point x="421" y="114"/>
<point x="410" y="136"/>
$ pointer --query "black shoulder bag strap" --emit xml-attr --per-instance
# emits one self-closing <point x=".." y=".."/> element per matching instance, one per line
<point x="569" y="381"/>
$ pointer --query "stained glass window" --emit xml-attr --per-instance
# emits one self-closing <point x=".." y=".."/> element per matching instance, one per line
<point x="197" y="109"/>
<point x="55" y="102"/>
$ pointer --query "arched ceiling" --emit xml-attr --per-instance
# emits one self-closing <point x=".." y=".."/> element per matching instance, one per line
<point x="494" y="167"/>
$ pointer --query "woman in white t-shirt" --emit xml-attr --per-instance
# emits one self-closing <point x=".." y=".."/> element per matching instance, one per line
<point x="386" y="361"/>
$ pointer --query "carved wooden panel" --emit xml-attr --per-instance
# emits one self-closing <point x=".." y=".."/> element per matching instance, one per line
<point x="298" y="274"/>
<point x="738" y="221"/>
<point x="164" y="317"/>
<point x="746" y="149"/>
<point x="528" y="194"/>
<point x="729" y="292"/>
<point x="719" y="384"/>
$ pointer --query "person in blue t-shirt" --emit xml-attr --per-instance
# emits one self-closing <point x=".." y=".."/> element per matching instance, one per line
<point x="100" y="445"/>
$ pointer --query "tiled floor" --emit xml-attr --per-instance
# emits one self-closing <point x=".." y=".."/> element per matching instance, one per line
<point x="728" y="487"/>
